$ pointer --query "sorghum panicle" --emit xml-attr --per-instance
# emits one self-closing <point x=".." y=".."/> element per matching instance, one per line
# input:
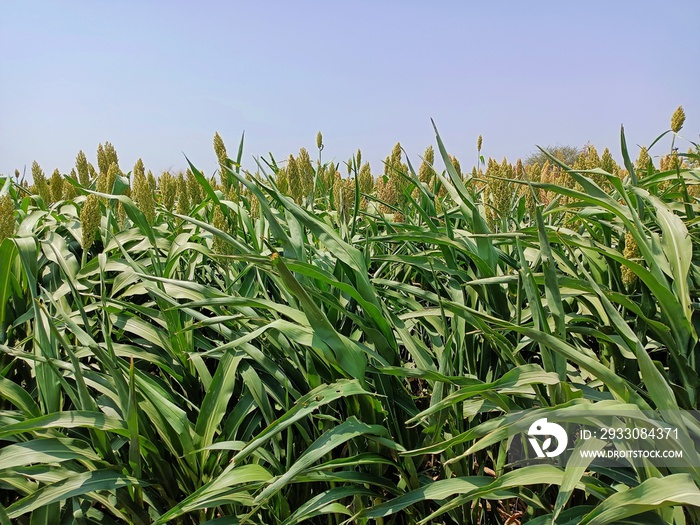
<point x="220" y="222"/>
<point x="183" y="198"/>
<point x="194" y="190"/>
<point x="221" y="155"/>
<point x="678" y="119"/>
<point x="425" y="172"/>
<point x="69" y="190"/>
<point x="456" y="165"/>
<point x="90" y="216"/>
<point x="40" y="184"/>
<point x="296" y="186"/>
<point x="81" y="165"/>
<point x="112" y="174"/>
<point x="607" y="163"/>
<point x="167" y="184"/>
<point x="138" y="169"/>
<point x="56" y="185"/>
<point x="106" y="156"/>
<point x="306" y="172"/>
<point x="630" y="252"/>
<point x="143" y="196"/>
<point x="151" y="182"/>
<point x="282" y="181"/>
<point x="642" y="164"/>
<point x="366" y="183"/>
<point x="7" y="217"/>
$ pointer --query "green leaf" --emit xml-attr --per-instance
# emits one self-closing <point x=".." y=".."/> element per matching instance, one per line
<point x="8" y="251"/>
<point x="78" y="485"/>
<point x="347" y="430"/>
<point x="205" y="496"/>
<point x="346" y="353"/>
<point x="47" y="450"/>
<point x="652" y="494"/>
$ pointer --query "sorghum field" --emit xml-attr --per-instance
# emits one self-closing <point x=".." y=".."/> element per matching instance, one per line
<point x="319" y="343"/>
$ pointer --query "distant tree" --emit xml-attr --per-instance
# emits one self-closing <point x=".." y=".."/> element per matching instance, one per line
<point x="566" y="154"/>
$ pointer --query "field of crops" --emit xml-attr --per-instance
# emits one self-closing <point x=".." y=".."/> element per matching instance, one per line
<point x="317" y="343"/>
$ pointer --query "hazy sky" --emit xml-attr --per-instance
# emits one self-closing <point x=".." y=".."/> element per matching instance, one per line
<point x="158" y="78"/>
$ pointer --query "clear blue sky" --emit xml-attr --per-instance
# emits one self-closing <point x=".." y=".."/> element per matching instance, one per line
<point x="158" y="78"/>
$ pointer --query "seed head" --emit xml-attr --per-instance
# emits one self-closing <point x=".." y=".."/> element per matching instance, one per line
<point x="56" y="185"/>
<point x="106" y="156"/>
<point x="478" y="143"/>
<point x="343" y="195"/>
<point x="670" y="162"/>
<point x="81" y="165"/>
<point x="220" y="222"/>
<point x="396" y="155"/>
<point x="194" y="189"/>
<point x="425" y="172"/>
<point x="111" y="154"/>
<point x="533" y="196"/>
<point x="90" y="216"/>
<point x="365" y="179"/>
<point x="168" y="190"/>
<point x="456" y="165"/>
<point x="143" y="196"/>
<point x="306" y="172"/>
<point x="642" y="164"/>
<point x="69" y="190"/>
<point x="519" y="170"/>
<point x="253" y="202"/>
<point x="630" y="252"/>
<point x="112" y="174"/>
<point x="678" y="119"/>
<point x="499" y="192"/>
<point x="607" y="163"/>
<point x="296" y="186"/>
<point x="395" y="169"/>
<point x="328" y="176"/>
<point x="591" y="156"/>
<point x="102" y="183"/>
<point x="183" y="198"/>
<point x="102" y="165"/>
<point x="366" y="183"/>
<point x="386" y="192"/>
<point x="138" y="169"/>
<point x="7" y="217"/>
<point x="151" y="182"/>
<point x="40" y="184"/>
<point x="319" y="140"/>
<point x="220" y="150"/>
<point x="282" y="181"/>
